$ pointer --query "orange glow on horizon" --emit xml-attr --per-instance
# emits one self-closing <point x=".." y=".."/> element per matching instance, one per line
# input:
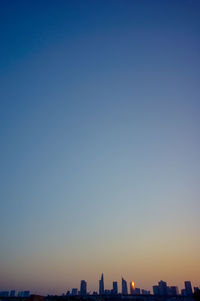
<point x="133" y="284"/>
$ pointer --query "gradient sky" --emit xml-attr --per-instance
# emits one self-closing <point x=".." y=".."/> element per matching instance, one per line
<point x="99" y="123"/>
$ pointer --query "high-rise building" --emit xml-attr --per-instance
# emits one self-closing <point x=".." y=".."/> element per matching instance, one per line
<point x="161" y="289"/>
<point x="74" y="291"/>
<point x="137" y="291"/>
<point x="156" y="290"/>
<point x="115" y="288"/>
<point x="20" y="294"/>
<point x="183" y="292"/>
<point x="145" y="292"/>
<point x="124" y="287"/>
<point x="173" y="290"/>
<point x="101" y="285"/>
<point x="162" y="286"/>
<point x="188" y="288"/>
<point x="12" y="293"/>
<point x="4" y="293"/>
<point x="83" y="288"/>
<point x="132" y="287"/>
<point x="26" y="294"/>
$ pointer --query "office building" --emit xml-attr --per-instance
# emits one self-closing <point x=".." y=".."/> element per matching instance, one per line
<point x="83" y="288"/>
<point x="136" y="291"/>
<point x="156" y="290"/>
<point x="115" y="288"/>
<point x="4" y="294"/>
<point x="163" y="290"/>
<point x="12" y="293"/>
<point x="26" y="294"/>
<point x="101" y="285"/>
<point x="124" y="287"/>
<point x="173" y="291"/>
<point x="183" y="292"/>
<point x="132" y="287"/>
<point x="145" y="292"/>
<point x="74" y="291"/>
<point x="188" y="288"/>
<point x="20" y="294"/>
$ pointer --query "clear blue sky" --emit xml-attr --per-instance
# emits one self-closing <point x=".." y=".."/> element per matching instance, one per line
<point x="99" y="122"/>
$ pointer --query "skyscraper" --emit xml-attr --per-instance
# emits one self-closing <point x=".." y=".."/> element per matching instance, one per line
<point x="74" y="291"/>
<point x="161" y="289"/>
<point x="83" y="288"/>
<point x="115" y="288"/>
<point x="101" y="285"/>
<point x="124" y="287"/>
<point x="145" y="292"/>
<point x="156" y="290"/>
<point x="162" y="286"/>
<point x="137" y="291"/>
<point x="188" y="288"/>
<point x="26" y="294"/>
<point x="173" y="290"/>
<point x="12" y="293"/>
<point x="132" y="287"/>
<point x="4" y="293"/>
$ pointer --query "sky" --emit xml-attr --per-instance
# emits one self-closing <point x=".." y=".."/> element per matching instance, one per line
<point x="99" y="148"/>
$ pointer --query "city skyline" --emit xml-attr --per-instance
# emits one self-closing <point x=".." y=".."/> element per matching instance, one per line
<point x="161" y="289"/>
<point x="99" y="148"/>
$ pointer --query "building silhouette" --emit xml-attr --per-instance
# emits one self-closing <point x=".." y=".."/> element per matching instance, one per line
<point x="161" y="289"/>
<point x="173" y="291"/>
<point x="145" y="292"/>
<point x="187" y="291"/>
<point x="74" y="291"/>
<point x="155" y="290"/>
<point x="188" y="288"/>
<point x="133" y="289"/>
<point x="115" y="288"/>
<point x="83" y="288"/>
<point x="101" y="285"/>
<point x="162" y="286"/>
<point x="26" y="294"/>
<point x="4" y="294"/>
<point x="124" y="287"/>
<point x="12" y="293"/>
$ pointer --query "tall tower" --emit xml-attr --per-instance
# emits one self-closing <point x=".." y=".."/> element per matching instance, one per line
<point x="101" y="285"/>
<point x="124" y="287"/>
<point x="188" y="288"/>
<point x="115" y="288"/>
<point x="132" y="288"/>
<point x="83" y="288"/>
<point x="162" y="286"/>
